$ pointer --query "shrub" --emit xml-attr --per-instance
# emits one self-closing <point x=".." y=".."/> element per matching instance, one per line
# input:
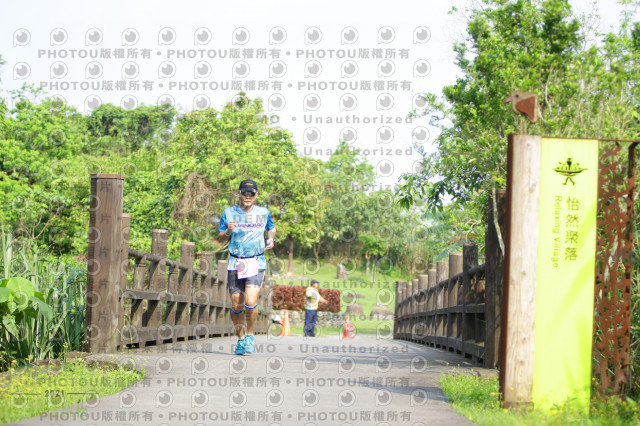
<point x="293" y="298"/>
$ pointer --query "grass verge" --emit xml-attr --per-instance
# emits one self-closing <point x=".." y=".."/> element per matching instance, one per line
<point x="34" y="390"/>
<point x="478" y="399"/>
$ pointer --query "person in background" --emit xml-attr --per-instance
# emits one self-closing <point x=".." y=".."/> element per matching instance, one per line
<point x="311" y="308"/>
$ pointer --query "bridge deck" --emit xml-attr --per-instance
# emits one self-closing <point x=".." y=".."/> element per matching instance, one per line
<point x="288" y="381"/>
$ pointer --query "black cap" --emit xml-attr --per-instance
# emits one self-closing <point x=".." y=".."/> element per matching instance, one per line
<point x="248" y="185"/>
<point x="315" y="282"/>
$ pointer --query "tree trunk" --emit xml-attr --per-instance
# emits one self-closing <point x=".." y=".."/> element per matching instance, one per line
<point x="373" y="272"/>
<point x="289" y="272"/>
<point x="367" y="256"/>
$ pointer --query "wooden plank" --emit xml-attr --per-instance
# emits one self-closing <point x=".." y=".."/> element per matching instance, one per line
<point x="396" y="312"/>
<point x="494" y="269"/>
<point x="185" y="280"/>
<point x="222" y="280"/>
<point x="171" y="304"/>
<point x="139" y="271"/>
<point x="516" y="374"/>
<point x="431" y="299"/>
<point x="469" y="262"/>
<point x="124" y="265"/>
<point x="206" y="264"/>
<point x="442" y="274"/>
<point x="455" y="267"/>
<point x="414" y="292"/>
<point x="477" y="308"/>
<point x="158" y="276"/>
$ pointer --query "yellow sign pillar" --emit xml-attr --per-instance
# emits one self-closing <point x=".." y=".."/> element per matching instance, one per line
<point x="550" y="272"/>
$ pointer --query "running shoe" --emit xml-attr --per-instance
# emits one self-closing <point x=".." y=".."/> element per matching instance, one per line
<point x="240" y="347"/>
<point x="249" y="344"/>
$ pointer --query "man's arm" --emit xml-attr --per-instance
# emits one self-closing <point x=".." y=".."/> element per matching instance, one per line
<point x="271" y="238"/>
<point x="225" y="229"/>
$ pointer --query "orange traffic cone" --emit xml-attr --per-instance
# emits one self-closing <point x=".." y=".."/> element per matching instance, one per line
<point x="286" y="327"/>
<point x="349" y="331"/>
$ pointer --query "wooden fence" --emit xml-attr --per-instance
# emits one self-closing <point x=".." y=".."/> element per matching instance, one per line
<point x="457" y="305"/>
<point x="138" y="298"/>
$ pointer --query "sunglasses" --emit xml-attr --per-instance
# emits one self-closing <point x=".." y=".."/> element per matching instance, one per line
<point x="248" y="193"/>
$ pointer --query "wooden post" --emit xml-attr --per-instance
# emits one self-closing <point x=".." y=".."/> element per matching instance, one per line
<point x="414" y="294"/>
<point x="125" y="228"/>
<point x="519" y="292"/>
<point x="494" y="269"/>
<point x="403" y="307"/>
<point x="455" y="267"/>
<point x="396" y="312"/>
<point x="469" y="261"/>
<point x="407" y="297"/>
<point x="172" y="306"/>
<point x="442" y="275"/>
<point x="187" y="254"/>
<point x="157" y="280"/>
<point x="223" y="316"/>
<point x="423" y="285"/>
<point x="103" y="265"/>
<point x="431" y="305"/>
<point x="196" y="287"/>
<point x="453" y="315"/>
<point x="207" y="313"/>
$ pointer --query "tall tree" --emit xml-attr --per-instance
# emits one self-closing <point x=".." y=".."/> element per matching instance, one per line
<point x="537" y="46"/>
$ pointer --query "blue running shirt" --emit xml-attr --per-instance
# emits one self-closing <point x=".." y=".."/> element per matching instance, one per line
<point x="247" y="240"/>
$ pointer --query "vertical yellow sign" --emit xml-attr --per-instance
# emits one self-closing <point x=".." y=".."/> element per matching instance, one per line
<point x="565" y="271"/>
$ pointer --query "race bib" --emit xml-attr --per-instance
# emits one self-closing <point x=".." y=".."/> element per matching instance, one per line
<point x="247" y="267"/>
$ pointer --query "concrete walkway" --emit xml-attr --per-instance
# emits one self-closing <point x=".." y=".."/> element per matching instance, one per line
<point x="288" y="381"/>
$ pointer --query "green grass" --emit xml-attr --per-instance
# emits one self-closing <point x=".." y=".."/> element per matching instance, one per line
<point x="382" y="291"/>
<point x="478" y="399"/>
<point x="34" y="390"/>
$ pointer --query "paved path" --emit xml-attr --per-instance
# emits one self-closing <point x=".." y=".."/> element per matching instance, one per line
<point x="288" y="381"/>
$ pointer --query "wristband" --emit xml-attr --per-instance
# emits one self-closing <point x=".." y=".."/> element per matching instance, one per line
<point x="225" y="233"/>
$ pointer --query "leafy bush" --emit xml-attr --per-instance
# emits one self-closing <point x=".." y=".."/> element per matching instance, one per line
<point x="293" y="298"/>
<point x="42" y="306"/>
<point x="20" y="306"/>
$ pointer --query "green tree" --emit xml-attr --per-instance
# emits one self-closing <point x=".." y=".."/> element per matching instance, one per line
<point x="537" y="46"/>
<point x="374" y="246"/>
<point x="348" y="176"/>
<point x="126" y="131"/>
<point x="36" y="138"/>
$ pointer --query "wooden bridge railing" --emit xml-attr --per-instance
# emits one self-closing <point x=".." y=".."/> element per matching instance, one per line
<point x="138" y="298"/>
<point x="457" y="305"/>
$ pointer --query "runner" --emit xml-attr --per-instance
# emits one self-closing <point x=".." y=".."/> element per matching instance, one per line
<point x="244" y="226"/>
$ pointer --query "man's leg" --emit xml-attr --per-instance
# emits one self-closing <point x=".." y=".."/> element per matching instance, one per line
<point x="237" y="313"/>
<point x="312" y="325"/>
<point x="236" y="289"/>
<point x="252" y="293"/>
<point x="307" y="321"/>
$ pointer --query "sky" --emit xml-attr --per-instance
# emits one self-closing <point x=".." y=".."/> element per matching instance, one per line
<point x="328" y="70"/>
